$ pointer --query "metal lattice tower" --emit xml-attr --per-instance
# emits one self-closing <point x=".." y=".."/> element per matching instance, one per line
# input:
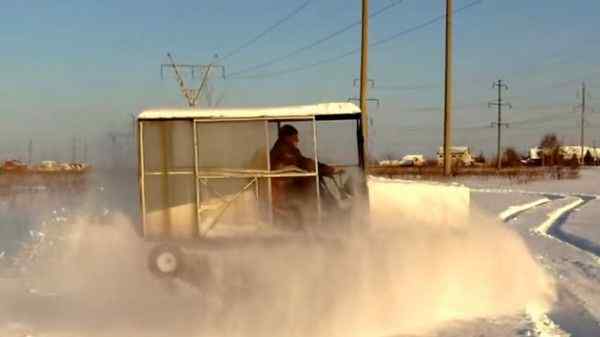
<point x="584" y="96"/>
<point x="499" y="103"/>
<point x="192" y="95"/>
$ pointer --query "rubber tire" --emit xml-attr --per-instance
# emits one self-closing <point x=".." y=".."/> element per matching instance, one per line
<point x="166" y="261"/>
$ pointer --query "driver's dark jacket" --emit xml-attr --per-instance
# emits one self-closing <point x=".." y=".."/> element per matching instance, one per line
<point x="283" y="155"/>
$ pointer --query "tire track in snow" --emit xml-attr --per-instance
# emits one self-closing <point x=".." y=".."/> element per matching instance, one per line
<point x="552" y="228"/>
<point x="572" y="316"/>
<point x="512" y="211"/>
<point x="549" y="195"/>
<point x="544" y="324"/>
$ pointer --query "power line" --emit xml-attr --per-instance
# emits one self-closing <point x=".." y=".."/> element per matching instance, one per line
<point x="518" y="125"/>
<point x="302" y="67"/>
<point x="357" y="50"/>
<point x="554" y="60"/>
<point x="269" y="29"/>
<point x="402" y="87"/>
<point x="425" y="24"/>
<point x="439" y="107"/>
<point x="313" y="44"/>
<point x="541" y="119"/>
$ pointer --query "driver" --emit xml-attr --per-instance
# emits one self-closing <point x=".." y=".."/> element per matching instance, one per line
<point x="285" y="153"/>
<point x="289" y="194"/>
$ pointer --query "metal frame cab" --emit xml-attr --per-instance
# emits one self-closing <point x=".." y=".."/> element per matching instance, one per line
<point x="205" y="174"/>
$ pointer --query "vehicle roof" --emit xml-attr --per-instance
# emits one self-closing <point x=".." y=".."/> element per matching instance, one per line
<point x="321" y="109"/>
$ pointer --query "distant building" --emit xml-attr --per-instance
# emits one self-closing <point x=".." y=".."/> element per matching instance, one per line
<point x="569" y="151"/>
<point x="459" y="155"/>
<point x="13" y="166"/>
<point x="565" y="153"/>
<point x="413" y="160"/>
<point x="389" y="162"/>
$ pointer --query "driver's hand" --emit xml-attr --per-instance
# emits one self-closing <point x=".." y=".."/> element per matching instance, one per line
<point x="339" y="170"/>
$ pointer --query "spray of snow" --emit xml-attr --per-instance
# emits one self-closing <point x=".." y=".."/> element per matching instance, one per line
<point x="410" y="276"/>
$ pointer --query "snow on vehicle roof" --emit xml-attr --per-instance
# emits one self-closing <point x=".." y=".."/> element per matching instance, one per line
<point x="330" y="109"/>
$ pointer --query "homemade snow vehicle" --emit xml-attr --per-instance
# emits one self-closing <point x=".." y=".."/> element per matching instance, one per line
<point x="207" y="185"/>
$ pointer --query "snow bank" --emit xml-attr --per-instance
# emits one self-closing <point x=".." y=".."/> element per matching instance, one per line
<point x="544" y="326"/>
<point x="412" y="202"/>
<point x="514" y="210"/>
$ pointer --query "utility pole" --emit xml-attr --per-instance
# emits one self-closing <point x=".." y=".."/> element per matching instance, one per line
<point x="583" y="109"/>
<point x="448" y="91"/>
<point x="85" y="151"/>
<point x="582" y="140"/>
<point x="74" y="150"/>
<point x="357" y="81"/>
<point x="499" y="124"/>
<point x="377" y="101"/>
<point x="30" y="153"/>
<point x="364" y="59"/>
<point x="371" y="83"/>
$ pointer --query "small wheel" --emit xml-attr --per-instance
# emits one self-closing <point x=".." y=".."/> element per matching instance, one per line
<point x="165" y="261"/>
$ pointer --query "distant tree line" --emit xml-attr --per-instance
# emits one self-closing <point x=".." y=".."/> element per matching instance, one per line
<point x="548" y="154"/>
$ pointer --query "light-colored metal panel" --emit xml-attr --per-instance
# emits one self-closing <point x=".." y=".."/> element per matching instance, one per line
<point x="196" y="182"/>
<point x="141" y="174"/>
<point x="316" y="159"/>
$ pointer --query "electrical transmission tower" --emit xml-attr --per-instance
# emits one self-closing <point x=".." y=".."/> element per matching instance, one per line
<point x="85" y="151"/>
<point x="30" y="152"/>
<point x="74" y="150"/>
<point x="191" y="95"/>
<point x="371" y="83"/>
<point x="499" y="103"/>
<point x="584" y="95"/>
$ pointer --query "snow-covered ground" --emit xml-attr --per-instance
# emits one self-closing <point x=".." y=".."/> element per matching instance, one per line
<point x="563" y="233"/>
<point x="559" y="222"/>
<point x="585" y="222"/>
<point x="585" y="184"/>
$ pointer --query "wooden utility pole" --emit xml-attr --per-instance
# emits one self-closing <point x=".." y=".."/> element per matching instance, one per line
<point x="448" y="92"/>
<point x="363" y="84"/>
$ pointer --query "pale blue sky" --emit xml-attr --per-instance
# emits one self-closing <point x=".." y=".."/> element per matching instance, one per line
<point x="79" y="68"/>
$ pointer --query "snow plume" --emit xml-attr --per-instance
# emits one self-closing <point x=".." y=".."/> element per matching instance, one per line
<point x="410" y="275"/>
<point x="92" y="281"/>
<point x="440" y="260"/>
